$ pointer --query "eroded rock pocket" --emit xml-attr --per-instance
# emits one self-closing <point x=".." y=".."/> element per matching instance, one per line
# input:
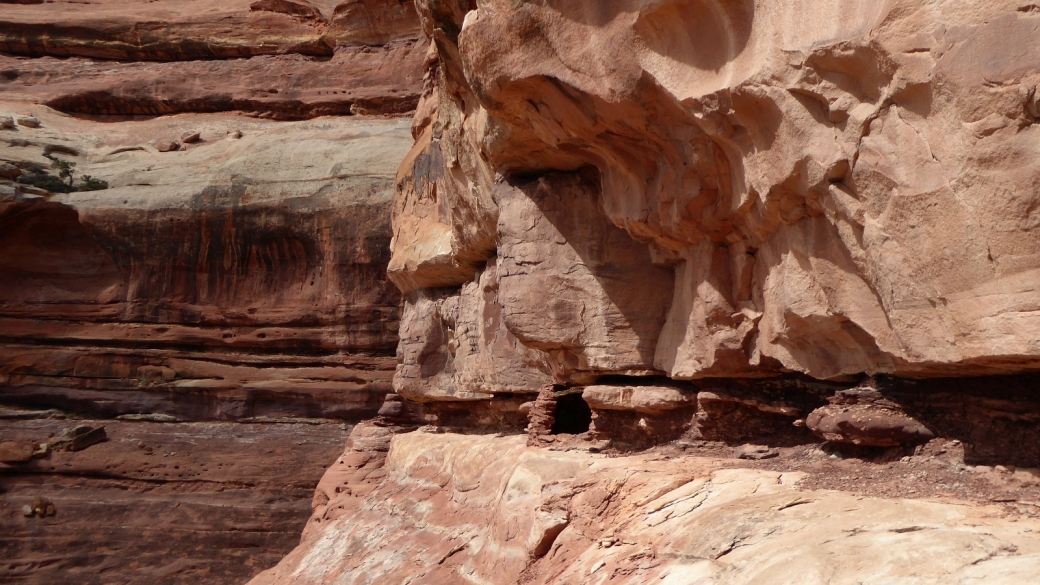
<point x="572" y="415"/>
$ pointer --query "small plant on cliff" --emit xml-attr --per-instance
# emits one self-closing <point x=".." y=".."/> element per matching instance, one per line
<point x="38" y="177"/>
<point x="88" y="183"/>
<point x="66" y="169"/>
<point x="65" y="181"/>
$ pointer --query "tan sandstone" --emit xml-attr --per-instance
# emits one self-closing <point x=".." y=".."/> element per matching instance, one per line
<point x="835" y="188"/>
<point x="477" y="509"/>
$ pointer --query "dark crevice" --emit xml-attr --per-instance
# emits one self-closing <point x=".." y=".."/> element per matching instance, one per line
<point x="572" y="415"/>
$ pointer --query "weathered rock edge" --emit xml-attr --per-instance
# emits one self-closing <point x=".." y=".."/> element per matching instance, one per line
<point x="446" y="508"/>
<point x="720" y="189"/>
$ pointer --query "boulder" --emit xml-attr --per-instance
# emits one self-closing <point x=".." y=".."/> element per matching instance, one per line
<point x="9" y="171"/>
<point x="16" y="452"/>
<point x="863" y="416"/>
<point x="167" y="145"/>
<point x="644" y="399"/>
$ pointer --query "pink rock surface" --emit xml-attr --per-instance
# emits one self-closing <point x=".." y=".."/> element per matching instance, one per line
<point x="457" y="508"/>
<point x="837" y="188"/>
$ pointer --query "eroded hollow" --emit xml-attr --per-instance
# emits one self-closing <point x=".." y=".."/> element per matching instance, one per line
<point x="572" y="415"/>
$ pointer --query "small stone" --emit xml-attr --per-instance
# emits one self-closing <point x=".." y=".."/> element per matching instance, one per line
<point x="190" y="137"/>
<point x="27" y="511"/>
<point x="51" y="510"/>
<point x="29" y="122"/>
<point x="9" y="171"/>
<point x="12" y="452"/>
<point x="234" y="134"/>
<point x="6" y="123"/>
<point x="756" y="452"/>
<point x="167" y="145"/>
<point x="1001" y="469"/>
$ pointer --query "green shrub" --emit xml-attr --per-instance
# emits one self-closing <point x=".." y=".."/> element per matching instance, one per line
<point x="38" y="177"/>
<point x="63" y="183"/>
<point x="88" y="183"/>
<point x="66" y="169"/>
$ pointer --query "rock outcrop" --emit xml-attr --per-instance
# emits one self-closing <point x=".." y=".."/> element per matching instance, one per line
<point x="194" y="234"/>
<point x="478" y="509"/>
<point x="231" y="278"/>
<point x="759" y="277"/>
<point x="824" y="188"/>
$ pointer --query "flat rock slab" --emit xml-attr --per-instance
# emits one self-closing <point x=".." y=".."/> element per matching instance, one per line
<point x="457" y="508"/>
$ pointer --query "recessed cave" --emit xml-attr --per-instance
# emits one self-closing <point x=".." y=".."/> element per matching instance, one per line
<point x="572" y="415"/>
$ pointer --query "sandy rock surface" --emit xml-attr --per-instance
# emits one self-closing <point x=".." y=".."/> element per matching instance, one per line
<point x="473" y="509"/>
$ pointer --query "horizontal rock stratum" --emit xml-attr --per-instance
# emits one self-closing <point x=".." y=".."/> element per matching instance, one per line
<point x="219" y="304"/>
<point x="705" y="189"/>
<point x="240" y="275"/>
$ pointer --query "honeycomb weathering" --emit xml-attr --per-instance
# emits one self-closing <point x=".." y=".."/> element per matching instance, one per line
<point x="825" y="188"/>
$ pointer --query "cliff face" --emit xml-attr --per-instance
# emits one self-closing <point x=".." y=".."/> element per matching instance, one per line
<point x="756" y="278"/>
<point x="224" y="294"/>
<point x="824" y="188"/>
<point x="237" y="278"/>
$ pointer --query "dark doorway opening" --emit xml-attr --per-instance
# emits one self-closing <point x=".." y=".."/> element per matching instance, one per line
<point x="572" y="415"/>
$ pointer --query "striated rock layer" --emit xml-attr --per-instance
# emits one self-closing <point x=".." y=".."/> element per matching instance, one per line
<point x="210" y="502"/>
<point x="239" y="277"/>
<point x="221" y="306"/>
<point x="286" y="59"/>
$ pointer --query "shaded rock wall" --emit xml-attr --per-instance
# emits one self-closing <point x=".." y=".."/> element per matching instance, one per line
<point x="163" y="502"/>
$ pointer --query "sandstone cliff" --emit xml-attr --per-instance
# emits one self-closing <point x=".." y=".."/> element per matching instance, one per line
<point x="760" y="281"/>
<point x="694" y="291"/>
<point x="731" y="189"/>
<point x="224" y="295"/>
<point x="240" y="277"/>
